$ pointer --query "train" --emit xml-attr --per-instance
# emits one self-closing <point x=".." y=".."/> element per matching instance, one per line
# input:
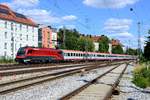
<point x="47" y="55"/>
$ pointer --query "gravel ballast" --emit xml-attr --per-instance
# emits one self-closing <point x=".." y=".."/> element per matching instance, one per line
<point x="53" y="90"/>
<point x="128" y="91"/>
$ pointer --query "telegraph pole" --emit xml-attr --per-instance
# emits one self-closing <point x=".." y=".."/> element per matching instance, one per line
<point x="64" y="37"/>
<point x="139" y="39"/>
<point x="139" y="35"/>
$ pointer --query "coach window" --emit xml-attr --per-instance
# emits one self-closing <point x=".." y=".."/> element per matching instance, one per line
<point x="68" y="54"/>
<point x="65" y="54"/>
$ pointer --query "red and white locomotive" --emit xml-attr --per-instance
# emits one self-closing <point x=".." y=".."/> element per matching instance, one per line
<point x="33" y="54"/>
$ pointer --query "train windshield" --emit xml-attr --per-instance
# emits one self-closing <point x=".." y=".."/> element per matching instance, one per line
<point x="21" y="52"/>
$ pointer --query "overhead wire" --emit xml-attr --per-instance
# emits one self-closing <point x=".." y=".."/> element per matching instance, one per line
<point x="66" y="12"/>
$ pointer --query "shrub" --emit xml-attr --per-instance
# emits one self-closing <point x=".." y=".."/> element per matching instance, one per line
<point x="6" y="60"/>
<point x="142" y="76"/>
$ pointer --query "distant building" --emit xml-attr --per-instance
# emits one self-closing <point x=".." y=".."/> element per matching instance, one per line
<point x="47" y="37"/>
<point x="16" y="30"/>
<point x="54" y="37"/>
<point x="96" y="43"/>
<point x="115" y="42"/>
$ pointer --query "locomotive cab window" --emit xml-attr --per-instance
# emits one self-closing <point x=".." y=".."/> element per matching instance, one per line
<point x="29" y="52"/>
<point x="21" y="51"/>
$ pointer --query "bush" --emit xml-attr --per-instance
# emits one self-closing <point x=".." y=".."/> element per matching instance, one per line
<point x="6" y="60"/>
<point x="142" y="76"/>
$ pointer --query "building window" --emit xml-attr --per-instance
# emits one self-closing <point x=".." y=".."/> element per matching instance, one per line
<point x="20" y="26"/>
<point x="5" y="24"/>
<point x="27" y="28"/>
<point x="33" y="37"/>
<point x="15" y="46"/>
<point x="16" y="27"/>
<point x="11" y="26"/>
<point x="5" y="54"/>
<point x="32" y="29"/>
<point x="5" y="35"/>
<point x="12" y="38"/>
<point x="20" y="36"/>
<point x="11" y="46"/>
<point x="27" y="37"/>
<point x="5" y="46"/>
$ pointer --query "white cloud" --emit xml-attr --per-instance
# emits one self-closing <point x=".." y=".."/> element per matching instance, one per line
<point x="118" y="27"/>
<point x="109" y="3"/>
<point x="124" y="34"/>
<point x="41" y="16"/>
<point x="69" y="18"/>
<point x="68" y="26"/>
<point x="23" y="3"/>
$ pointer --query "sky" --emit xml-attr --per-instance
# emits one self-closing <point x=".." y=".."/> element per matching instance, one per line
<point x="96" y="17"/>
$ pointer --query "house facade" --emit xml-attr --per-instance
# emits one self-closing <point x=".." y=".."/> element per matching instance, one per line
<point x="47" y="37"/>
<point x="16" y="30"/>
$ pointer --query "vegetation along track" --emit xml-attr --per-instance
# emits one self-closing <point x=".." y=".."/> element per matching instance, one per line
<point x="108" y="95"/>
<point x="22" y="83"/>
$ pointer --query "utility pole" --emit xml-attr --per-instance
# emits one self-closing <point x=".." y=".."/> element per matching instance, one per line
<point x="139" y="39"/>
<point x="64" y="37"/>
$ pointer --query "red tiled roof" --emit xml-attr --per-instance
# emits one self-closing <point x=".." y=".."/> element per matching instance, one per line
<point x="96" y="38"/>
<point x="115" y="42"/>
<point x="7" y="14"/>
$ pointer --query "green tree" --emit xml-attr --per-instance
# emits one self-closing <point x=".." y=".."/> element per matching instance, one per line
<point x="85" y="44"/>
<point x="70" y="38"/>
<point x="131" y="51"/>
<point x="147" y="47"/>
<point x="103" y="44"/>
<point x="117" y="49"/>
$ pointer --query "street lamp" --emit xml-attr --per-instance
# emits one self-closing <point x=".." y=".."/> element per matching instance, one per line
<point x="139" y="34"/>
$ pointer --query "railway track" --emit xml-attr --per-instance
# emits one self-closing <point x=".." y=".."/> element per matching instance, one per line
<point x="7" y="87"/>
<point x="93" y="90"/>
<point x="8" y="72"/>
<point x="20" y="66"/>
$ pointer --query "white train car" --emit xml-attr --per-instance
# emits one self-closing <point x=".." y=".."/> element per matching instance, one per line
<point x="71" y="55"/>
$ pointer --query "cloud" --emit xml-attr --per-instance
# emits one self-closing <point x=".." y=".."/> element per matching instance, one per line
<point x="109" y="3"/>
<point x="118" y="27"/>
<point x="31" y="9"/>
<point x="40" y="15"/>
<point x="69" y="18"/>
<point x="22" y="3"/>
<point x="68" y="26"/>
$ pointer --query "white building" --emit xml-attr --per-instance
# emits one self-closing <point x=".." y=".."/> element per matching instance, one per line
<point x="54" y="37"/>
<point x="16" y="30"/>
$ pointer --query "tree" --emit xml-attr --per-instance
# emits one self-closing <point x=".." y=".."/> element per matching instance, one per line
<point x="103" y="44"/>
<point x="85" y="44"/>
<point x="147" y="48"/>
<point x="131" y="51"/>
<point x="117" y="49"/>
<point x="71" y="39"/>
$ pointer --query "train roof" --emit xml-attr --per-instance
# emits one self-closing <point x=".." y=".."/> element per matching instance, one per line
<point x="37" y="48"/>
<point x="84" y="52"/>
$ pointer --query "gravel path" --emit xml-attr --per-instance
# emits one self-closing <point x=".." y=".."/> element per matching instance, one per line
<point x="54" y="89"/>
<point x="128" y="90"/>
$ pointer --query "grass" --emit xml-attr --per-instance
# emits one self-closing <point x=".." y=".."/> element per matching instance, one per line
<point x="6" y="60"/>
<point x="142" y="75"/>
